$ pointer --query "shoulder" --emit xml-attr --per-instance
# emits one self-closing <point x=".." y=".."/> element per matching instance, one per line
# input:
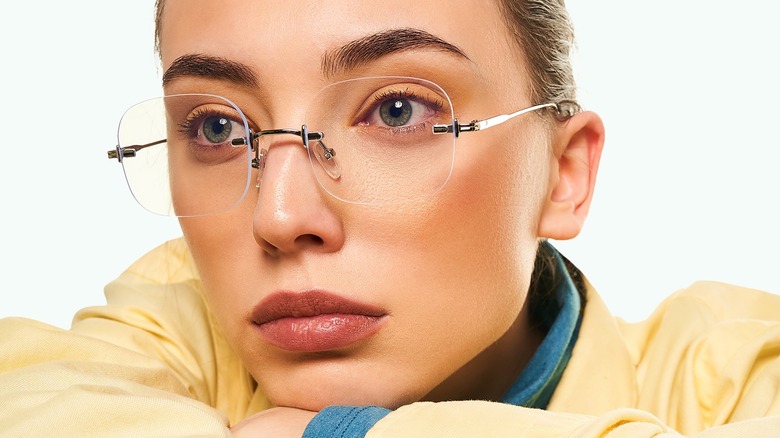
<point x="705" y="312"/>
<point x="164" y="273"/>
<point x="170" y="262"/>
<point x="707" y="352"/>
<point x="723" y="302"/>
<point x="162" y="288"/>
<point x="704" y="308"/>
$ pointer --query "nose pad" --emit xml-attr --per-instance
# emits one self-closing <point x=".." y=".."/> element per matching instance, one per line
<point x="259" y="163"/>
<point x="327" y="159"/>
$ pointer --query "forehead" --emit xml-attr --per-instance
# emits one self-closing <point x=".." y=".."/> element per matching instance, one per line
<point x="296" y="34"/>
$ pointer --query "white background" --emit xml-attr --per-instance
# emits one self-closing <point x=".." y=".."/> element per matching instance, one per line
<point x="688" y="187"/>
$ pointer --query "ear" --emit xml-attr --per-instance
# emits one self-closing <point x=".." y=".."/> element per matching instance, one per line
<point x="575" y="163"/>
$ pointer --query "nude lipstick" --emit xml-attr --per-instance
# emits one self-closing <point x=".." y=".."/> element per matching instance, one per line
<point x="315" y="321"/>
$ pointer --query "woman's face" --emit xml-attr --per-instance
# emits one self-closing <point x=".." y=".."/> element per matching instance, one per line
<point x="328" y="302"/>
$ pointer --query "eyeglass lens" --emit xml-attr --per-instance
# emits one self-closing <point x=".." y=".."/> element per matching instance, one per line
<point x="377" y="146"/>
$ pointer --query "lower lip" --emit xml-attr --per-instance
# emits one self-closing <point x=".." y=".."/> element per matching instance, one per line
<point x="320" y="333"/>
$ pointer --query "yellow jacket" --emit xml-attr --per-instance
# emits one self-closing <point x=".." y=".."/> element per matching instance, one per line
<point x="152" y="362"/>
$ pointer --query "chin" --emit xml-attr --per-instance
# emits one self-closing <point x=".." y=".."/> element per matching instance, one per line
<point x="316" y="404"/>
<point x="314" y="394"/>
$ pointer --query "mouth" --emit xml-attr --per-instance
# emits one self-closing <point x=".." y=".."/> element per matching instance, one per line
<point x="315" y="321"/>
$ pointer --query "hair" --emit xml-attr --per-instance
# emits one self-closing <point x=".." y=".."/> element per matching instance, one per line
<point x="543" y="31"/>
<point x="159" y="6"/>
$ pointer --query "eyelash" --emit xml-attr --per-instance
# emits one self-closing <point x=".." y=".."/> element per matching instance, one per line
<point x="190" y="124"/>
<point x="411" y="95"/>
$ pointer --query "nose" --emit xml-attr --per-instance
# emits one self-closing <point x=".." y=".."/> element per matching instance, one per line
<point x="293" y="214"/>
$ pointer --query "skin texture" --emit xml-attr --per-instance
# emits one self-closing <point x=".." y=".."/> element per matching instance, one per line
<point x="450" y="271"/>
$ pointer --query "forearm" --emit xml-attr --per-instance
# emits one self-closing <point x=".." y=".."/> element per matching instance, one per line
<point x="77" y="385"/>
<point x="476" y="418"/>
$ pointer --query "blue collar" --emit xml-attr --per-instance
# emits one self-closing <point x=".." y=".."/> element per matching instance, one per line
<point x="538" y="381"/>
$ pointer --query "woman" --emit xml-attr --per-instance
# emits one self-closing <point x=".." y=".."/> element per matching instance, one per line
<point x="368" y="260"/>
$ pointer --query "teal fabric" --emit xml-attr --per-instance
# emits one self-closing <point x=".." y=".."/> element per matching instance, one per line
<point x="535" y="386"/>
<point x="344" y="421"/>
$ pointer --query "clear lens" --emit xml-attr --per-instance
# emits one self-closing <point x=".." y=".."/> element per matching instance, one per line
<point x="380" y="132"/>
<point x="188" y="155"/>
<point x="184" y="161"/>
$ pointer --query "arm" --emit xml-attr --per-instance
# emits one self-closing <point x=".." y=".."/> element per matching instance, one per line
<point x="54" y="380"/>
<point x="146" y="361"/>
<point x="476" y="419"/>
<point x="469" y="419"/>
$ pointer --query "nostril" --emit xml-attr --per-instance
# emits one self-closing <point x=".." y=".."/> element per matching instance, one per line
<point x="309" y="240"/>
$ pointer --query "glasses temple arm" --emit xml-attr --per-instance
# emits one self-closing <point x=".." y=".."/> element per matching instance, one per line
<point x="129" y="151"/>
<point x="478" y="125"/>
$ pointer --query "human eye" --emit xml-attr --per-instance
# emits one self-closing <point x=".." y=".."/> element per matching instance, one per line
<point x="402" y="108"/>
<point x="208" y="132"/>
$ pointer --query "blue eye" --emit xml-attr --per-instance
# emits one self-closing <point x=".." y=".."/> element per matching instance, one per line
<point x="217" y="129"/>
<point x="208" y="132"/>
<point x="211" y="127"/>
<point x="396" y="112"/>
<point x="402" y="108"/>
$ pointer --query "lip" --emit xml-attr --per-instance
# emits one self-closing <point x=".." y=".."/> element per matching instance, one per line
<point x="315" y="321"/>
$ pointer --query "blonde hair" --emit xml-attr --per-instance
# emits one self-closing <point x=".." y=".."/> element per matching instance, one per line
<point x="545" y="34"/>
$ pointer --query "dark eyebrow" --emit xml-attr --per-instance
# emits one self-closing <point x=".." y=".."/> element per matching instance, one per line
<point x="372" y="47"/>
<point x="212" y="67"/>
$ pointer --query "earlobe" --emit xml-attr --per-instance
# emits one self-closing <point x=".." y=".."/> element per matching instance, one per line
<point x="575" y="162"/>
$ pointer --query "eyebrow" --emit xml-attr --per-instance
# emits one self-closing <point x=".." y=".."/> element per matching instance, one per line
<point x="369" y="48"/>
<point x="352" y="55"/>
<point x="212" y="67"/>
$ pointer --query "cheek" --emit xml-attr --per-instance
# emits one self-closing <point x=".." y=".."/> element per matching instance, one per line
<point x="494" y="199"/>
<point x="461" y="264"/>
<point x="221" y="246"/>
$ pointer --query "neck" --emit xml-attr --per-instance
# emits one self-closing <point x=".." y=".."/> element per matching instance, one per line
<point x="490" y="374"/>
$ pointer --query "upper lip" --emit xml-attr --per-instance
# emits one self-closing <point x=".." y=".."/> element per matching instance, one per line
<point x="286" y="304"/>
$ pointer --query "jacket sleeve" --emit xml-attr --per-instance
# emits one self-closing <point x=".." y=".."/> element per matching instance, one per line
<point x="474" y="418"/>
<point x="143" y="365"/>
